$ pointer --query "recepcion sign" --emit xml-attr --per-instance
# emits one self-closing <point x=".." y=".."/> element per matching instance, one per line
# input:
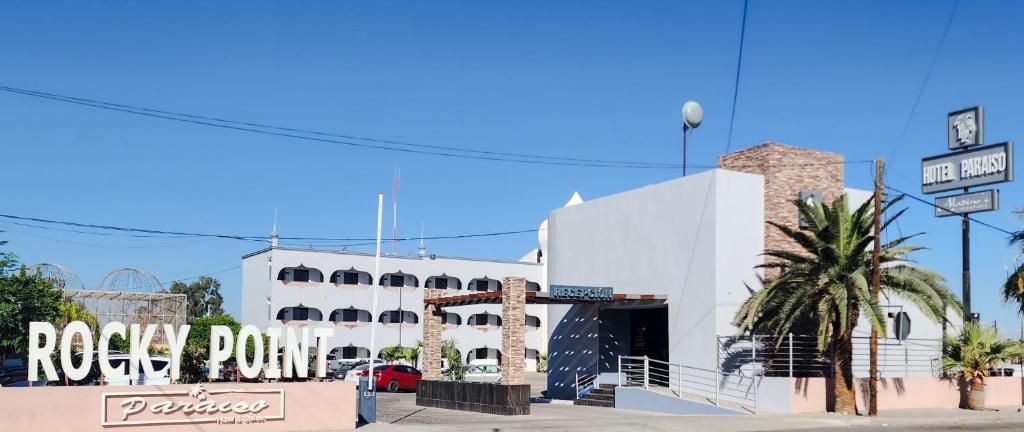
<point x="584" y="293"/>
<point x="974" y="202"/>
<point x="976" y="167"/>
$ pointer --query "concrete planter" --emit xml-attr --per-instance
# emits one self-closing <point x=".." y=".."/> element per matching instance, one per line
<point x="500" y="399"/>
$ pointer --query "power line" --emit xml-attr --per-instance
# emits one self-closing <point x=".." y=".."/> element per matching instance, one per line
<point x="249" y="238"/>
<point x="927" y="77"/>
<point x="374" y="143"/>
<point x="736" y="84"/>
<point x="922" y="200"/>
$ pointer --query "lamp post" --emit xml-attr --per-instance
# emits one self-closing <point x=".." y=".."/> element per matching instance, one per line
<point x="693" y="114"/>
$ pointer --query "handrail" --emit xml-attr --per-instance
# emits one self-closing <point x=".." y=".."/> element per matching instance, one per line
<point x="712" y="386"/>
<point x="584" y="383"/>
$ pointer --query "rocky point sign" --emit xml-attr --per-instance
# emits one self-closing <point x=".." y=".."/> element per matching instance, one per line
<point x="43" y="339"/>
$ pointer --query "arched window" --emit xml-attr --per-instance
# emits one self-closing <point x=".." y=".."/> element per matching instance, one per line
<point x="398" y="317"/>
<point x="532" y="286"/>
<point x="299" y="313"/>
<point x="532" y="322"/>
<point x="350" y="277"/>
<point x="451" y="319"/>
<point x="350" y="315"/>
<point x="484" y="284"/>
<point x="299" y="274"/>
<point x="484" y="355"/>
<point x="485" y="319"/>
<point x="399" y="279"/>
<point x="443" y="282"/>
<point x="351" y="352"/>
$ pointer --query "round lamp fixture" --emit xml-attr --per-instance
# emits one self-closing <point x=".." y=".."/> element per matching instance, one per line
<point x="693" y="114"/>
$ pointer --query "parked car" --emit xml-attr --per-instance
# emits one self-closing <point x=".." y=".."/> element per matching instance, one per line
<point x="230" y="369"/>
<point x="161" y="365"/>
<point x="389" y="377"/>
<point x="483" y="373"/>
<point x="343" y="368"/>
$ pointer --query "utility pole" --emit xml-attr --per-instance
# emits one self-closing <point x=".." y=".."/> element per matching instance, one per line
<point x="966" y="253"/>
<point x="876" y="287"/>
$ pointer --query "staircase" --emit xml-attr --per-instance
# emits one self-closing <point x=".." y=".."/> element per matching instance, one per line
<point x="601" y="396"/>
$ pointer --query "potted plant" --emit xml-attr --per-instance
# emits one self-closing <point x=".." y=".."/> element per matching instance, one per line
<point x="968" y="356"/>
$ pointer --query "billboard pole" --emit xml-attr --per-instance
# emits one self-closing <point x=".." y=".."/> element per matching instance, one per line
<point x="966" y="252"/>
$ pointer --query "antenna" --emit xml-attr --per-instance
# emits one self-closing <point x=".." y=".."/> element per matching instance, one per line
<point x="423" y="247"/>
<point x="396" y="181"/>
<point x="273" y="232"/>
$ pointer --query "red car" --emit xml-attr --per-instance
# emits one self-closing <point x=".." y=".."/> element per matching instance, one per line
<point x="394" y="377"/>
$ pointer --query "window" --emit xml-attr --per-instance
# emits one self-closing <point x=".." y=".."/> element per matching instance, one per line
<point x="350" y="352"/>
<point x="300" y="313"/>
<point x="396" y="280"/>
<point x="395" y="317"/>
<point x="481" y="353"/>
<point x="300" y="275"/>
<point x="481" y="285"/>
<point x="350" y="278"/>
<point x="159" y="365"/>
<point x="441" y="283"/>
<point x="349" y="315"/>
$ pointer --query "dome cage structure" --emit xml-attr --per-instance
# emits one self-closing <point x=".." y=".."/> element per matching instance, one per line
<point x="61" y="276"/>
<point x="132" y="296"/>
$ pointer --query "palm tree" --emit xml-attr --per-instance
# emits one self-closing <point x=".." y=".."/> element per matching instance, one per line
<point x="825" y="288"/>
<point x="412" y="355"/>
<point x="969" y="356"/>
<point x="392" y="354"/>
<point x="69" y="311"/>
<point x="1013" y="288"/>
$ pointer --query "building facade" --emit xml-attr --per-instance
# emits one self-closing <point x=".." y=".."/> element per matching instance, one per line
<point x="303" y="287"/>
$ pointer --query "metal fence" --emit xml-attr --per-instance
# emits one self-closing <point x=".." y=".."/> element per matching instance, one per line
<point x="799" y="356"/>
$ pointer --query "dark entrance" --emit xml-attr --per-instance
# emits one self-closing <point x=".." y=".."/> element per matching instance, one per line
<point x="648" y="333"/>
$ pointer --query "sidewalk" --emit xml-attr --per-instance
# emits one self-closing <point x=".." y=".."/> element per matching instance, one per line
<point x="556" y="417"/>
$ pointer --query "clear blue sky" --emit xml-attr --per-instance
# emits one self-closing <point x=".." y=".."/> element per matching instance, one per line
<point x="580" y="79"/>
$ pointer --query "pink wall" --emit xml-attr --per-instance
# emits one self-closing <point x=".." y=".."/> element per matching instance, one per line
<point x="808" y="394"/>
<point x="307" y="406"/>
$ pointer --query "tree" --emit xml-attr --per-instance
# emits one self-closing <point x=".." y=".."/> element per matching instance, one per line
<point x="969" y="356"/>
<point x="392" y="354"/>
<point x="1013" y="288"/>
<point x="826" y="285"/>
<point x="456" y="369"/>
<point x="197" y="346"/>
<point x="8" y="260"/>
<point x="203" y="297"/>
<point x="542" y="362"/>
<point x="412" y="355"/>
<point x="24" y="297"/>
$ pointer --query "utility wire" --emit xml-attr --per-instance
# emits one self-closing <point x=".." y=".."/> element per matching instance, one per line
<point x="373" y="143"/>
<point x="924" y="83"/>
<point x="736" y="84"/>
<point x="251" y="238"/>
<point x="922" y="200"/>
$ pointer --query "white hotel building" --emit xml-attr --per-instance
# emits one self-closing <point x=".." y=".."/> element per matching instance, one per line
<point x="327" y="288"/>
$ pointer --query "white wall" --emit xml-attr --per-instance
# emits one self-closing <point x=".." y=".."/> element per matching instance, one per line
<point x="326" y="297"/>
<point x="694" y="239"/>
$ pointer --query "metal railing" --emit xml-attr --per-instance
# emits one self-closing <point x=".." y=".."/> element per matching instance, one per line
<point x="585" y="383"/>
<point x="788" y="356"/>
<point x="899" y="358"/>
<point x="738" y="389"/>
<point x="798" y="356"/>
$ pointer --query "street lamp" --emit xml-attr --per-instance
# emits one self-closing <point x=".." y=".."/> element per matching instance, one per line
<point x="693" y="114"/>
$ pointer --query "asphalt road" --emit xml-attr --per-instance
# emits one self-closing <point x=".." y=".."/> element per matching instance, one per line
<point x="398" y="412"/>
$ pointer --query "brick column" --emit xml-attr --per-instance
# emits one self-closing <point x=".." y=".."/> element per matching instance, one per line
<point x="432" y="331"/>
<point x="513" y="330"/>
<point x="787" y="171"/>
